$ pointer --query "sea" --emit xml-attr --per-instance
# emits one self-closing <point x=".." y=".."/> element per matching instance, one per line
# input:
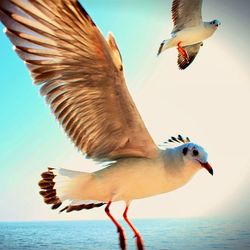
<point x="158" y="234"/>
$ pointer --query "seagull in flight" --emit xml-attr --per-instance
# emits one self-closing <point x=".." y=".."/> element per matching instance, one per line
<point x="189" y="31"/>
<point x="81" y="76"/>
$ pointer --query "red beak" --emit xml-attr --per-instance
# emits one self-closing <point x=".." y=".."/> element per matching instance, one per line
<point x="207" y="167"/>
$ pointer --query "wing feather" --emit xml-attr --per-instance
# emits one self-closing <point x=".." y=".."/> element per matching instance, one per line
<point x="192" y="51"/>
<point x="186" y="13"/>
<point x="80" y="74"/>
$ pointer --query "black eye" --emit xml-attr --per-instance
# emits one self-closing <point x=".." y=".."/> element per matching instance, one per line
<point x="185" y="150"/>
<point x="195" y="152"/>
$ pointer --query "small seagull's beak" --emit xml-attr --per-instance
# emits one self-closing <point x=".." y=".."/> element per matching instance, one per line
<point x="207" y="167"/>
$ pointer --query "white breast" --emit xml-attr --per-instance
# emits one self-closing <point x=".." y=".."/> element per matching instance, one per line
<point x="136" y="178"/>
<point x="194" y="35"/>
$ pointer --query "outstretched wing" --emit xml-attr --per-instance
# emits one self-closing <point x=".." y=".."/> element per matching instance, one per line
<point x="81" y="76"/>
<point x="186" y="13"/>
<point x="192" y="51"/>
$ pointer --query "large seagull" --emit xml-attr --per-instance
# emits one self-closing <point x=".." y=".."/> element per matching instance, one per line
<point x="189" y="31"/>
<point x="81" y="75"/>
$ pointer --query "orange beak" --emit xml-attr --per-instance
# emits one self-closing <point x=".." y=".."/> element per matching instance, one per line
<point x="207" y="167"/>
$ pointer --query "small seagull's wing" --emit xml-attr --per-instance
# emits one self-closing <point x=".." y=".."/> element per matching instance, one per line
<point x="192" y="51"/>
<point x="186" y="13"/>
<point x="81" y="75"/>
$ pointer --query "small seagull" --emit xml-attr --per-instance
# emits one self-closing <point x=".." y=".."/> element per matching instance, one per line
<point x="81" y="75"/>
<point x="189" y="31"/>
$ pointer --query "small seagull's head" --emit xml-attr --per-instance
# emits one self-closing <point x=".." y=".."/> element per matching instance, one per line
<point x="215" y="23"/>
<point x="197" y="155"/>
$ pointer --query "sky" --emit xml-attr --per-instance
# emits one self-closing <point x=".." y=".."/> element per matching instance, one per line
<point x="209" y="102"/>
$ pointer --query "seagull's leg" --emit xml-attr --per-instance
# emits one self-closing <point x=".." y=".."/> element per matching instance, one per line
<point x="182" y="52"/>
<point x="139" y="240"/>
<point x="120" y="230"/>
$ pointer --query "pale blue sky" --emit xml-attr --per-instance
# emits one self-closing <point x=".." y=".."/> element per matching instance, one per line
<point x="31" y="139"/>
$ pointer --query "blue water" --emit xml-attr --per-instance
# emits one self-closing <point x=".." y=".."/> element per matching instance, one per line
<point x="160" y="234"/>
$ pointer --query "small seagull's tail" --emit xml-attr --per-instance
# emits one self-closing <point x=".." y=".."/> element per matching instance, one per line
<point x="59" y="185"/>
<point x="166" y="44"/>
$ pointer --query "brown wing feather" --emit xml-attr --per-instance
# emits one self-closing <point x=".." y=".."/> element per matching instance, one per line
<point x="186" y="13"/>
<point x="192" y="51"/>
<point x="81" y="76"/>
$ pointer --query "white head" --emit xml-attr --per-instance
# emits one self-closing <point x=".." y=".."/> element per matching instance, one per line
<point x="195" y="155"/>
<point x="214" y="24"/>
<point x="191" y="153"/>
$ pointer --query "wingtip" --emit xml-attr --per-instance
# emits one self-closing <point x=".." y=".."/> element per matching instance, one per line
<point x="181" y="69"/>
<point x="160" y="49"/>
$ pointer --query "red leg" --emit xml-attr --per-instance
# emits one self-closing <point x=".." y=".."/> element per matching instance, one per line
<point x="139" y="240"/>
<point x="120" y="230"/>
<point x="182" y="52"/>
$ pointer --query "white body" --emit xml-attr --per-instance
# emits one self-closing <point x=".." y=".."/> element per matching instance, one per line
<point x="191" y="35"/>
<point x="127" y="179"/>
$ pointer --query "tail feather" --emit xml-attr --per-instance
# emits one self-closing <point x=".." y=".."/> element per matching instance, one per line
<point x="55" y="185"/>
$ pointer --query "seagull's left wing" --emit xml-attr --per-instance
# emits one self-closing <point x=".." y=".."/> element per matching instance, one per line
<point x="192" y="51"/>
<point x="81" y="75"/>
<point x="186" y="13"/>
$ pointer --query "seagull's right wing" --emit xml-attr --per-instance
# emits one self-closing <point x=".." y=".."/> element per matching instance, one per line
<point x="81" y="75"/>
<point x="192" y="51"/>
<point x="186" y="13"/>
